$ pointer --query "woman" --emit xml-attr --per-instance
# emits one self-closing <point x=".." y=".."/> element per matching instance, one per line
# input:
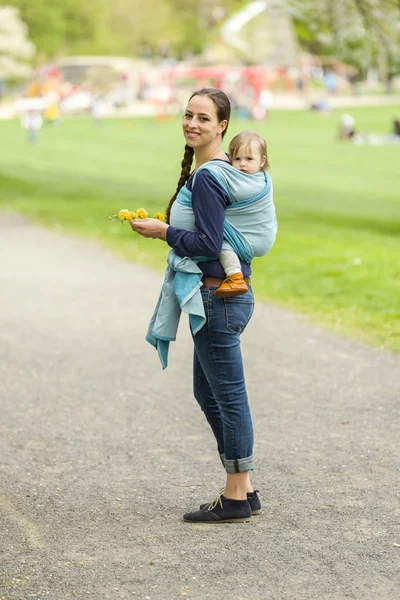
<point x="218" y="378"/>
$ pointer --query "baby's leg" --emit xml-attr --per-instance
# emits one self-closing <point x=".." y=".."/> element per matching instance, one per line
<point x="234" y="283"/>
<point x="230" y="262"/>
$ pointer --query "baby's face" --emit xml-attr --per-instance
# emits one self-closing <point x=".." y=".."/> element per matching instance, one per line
<point x="249" y="159"/>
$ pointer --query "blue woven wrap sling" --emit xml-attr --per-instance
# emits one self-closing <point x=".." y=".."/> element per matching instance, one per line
<point x="250" y="228"/>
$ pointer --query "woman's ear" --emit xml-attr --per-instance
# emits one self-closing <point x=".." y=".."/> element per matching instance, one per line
<point x="223" y="125"/>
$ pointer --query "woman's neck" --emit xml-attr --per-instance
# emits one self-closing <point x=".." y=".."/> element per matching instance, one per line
<point x="203" y="155"/>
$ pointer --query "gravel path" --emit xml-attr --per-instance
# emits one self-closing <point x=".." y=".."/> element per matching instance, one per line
<point x="102" y="452"/>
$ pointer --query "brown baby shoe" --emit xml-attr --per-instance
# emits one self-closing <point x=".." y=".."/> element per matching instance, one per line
<point x="233" y="285"/>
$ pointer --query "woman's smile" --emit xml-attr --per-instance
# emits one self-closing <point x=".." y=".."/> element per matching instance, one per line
<point x="192" y="134"/>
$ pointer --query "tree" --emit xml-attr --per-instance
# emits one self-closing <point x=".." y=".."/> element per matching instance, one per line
<point x="178" y="25"/>
<point x="15" y="47"/>
<point x="359" y="32"/>
<point x="56" y="26"/>
<point x="121" y="26"/>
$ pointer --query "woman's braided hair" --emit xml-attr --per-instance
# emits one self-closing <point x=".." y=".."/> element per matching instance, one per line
<point x="223" y="107"/>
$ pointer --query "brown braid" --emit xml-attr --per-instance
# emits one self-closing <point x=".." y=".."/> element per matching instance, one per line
<point x="185" y="173"/>
<point x="223" y="108"/>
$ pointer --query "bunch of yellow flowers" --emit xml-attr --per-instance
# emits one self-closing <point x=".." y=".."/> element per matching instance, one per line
<point x="128" y="215"/>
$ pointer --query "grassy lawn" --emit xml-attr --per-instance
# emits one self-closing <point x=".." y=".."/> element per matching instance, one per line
<point x="337" y="255"/>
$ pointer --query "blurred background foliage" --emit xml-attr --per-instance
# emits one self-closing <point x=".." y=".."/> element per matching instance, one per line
<point x="359" y="32"/>
<point x="126" y="27"/>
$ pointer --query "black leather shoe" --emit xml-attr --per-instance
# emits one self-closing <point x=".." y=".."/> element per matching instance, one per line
<point x="221" y="510"/>
<point x="252" y="498"/>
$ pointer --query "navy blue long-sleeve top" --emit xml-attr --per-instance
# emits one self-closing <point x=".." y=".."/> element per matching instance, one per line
<point x="209" y="201"/>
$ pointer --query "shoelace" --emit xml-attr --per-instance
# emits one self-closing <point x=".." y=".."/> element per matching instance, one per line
<point x="217" y="500"/>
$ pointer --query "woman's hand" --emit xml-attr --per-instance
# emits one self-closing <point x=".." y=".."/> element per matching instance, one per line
<point x="150" y="228"/>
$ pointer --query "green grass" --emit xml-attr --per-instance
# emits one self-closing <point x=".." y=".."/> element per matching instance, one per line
<point x="337" y="254"/>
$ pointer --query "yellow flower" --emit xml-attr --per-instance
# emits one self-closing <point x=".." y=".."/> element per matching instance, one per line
<point x="129" y="215"/>
<point x="141" y="213"/>
<point x="123" y="214"/>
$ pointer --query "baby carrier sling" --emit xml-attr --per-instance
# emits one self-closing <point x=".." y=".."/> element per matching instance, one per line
<point x="250" y="227"/>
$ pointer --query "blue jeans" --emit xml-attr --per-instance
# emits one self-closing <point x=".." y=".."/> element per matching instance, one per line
<point x="218" y="377"/>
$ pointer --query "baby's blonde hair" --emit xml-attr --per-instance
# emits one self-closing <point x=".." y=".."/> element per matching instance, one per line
<point x="245" y="138"/>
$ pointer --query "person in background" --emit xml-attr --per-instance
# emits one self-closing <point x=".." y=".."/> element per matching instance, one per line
<point x="347" y="127"/>
<point x="265" y="102"/>
<point x="98" y="108"/>
<point x="3" y="87"/>
<point x="52" y="113"/>
<point x="331" y="82"/>
<point x="32" y="122"/>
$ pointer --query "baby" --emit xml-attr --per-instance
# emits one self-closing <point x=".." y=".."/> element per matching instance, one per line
<point x="248" y="153"/>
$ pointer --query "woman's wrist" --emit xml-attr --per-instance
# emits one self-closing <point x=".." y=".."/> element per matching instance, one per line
<point x="163" y="233"/>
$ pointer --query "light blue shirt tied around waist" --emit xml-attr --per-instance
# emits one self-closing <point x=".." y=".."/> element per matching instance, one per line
<point x="180" y="292"/>
<point x="250" y="228"/>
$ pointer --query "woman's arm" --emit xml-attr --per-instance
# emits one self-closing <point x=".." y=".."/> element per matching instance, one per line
<point x="209" y="202"/>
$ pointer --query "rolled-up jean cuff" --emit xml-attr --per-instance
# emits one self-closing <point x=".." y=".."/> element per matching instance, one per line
<point x="222" y="457"/>
<point x="239" y="465"/>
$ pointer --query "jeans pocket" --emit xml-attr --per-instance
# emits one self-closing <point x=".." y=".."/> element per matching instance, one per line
<point x="238" y="311"/>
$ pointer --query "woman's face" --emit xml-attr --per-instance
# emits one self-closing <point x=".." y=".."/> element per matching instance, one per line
<point x="200" y="122"/>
